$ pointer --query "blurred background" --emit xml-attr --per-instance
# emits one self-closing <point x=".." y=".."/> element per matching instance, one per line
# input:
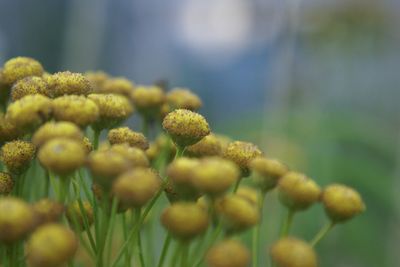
<point x="315" y="83"/>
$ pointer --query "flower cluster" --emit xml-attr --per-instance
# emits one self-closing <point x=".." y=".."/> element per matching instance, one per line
<point x="69" y="197"/>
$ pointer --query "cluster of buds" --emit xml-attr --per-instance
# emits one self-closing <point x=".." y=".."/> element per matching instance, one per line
<point x="64" y="191"/>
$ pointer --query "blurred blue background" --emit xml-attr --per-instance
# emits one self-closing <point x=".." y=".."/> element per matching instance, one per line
<point x="315" y="83"/>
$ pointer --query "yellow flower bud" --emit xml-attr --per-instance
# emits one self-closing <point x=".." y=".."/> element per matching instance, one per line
<point x="148" y="100"/>
<point x="118" y="85"/>
<point x="16" y="219"/>
<point x="8" y="131"/>
<point x="136" y="187"/>
<point x="180" y="173"/>
<point x="75" y="214"/>
<point x="292" y="252"/>
<point x="96" y="79"/>
<point x="29" y="86"/>
<point x="51" y="130"/>
<point x="17" y="155"/>
<point x="29" y="112"/>
<point x="208" y="146"/>
<point x="185" y="220"/>
<point x="249" y="193"/>
<point x="185" y="127"/>
<point x="228" y="253"/>
<point x="68" y="83"/>
<point x="6" y="183"/>
<point x="126" y="135"/>
<point x="114" y="109"/>
<point x="267" y="172"/>
<point x="341" y="202"/>
<point x="77" y="109"/>
<point x="297" y="191"/>
<point x="135" y="156"/>
<point x="242" y="153"/>
<point x="20" y="67"/>
<point x="181" y="98"/>
<point x="47" y="211"/>
<point x="51" y="245"/>
<point x="62" y="155"/>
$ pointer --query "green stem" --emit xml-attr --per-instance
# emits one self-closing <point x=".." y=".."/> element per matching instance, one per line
<point x="185" y="253"/>
<point x="145" y="126"/>
<point x="179" y="151"/>
<point x="287" y="223"/>
<point x="63" y="189"/>
<point x="103" y="230"/>
<point x="237" y="185"/>
<point x="256" y="232"/>
<point x="96" y="136"/>
<point x="109" y="238"/>
<point x="139" y="239"/>
<point x="322" y="233"/>
<point x="213" y="238"/>
<point x="164" y="251"/>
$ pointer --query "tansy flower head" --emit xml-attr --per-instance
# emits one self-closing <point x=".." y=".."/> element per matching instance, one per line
<point x="180" y="173"/>
<point x="8" y="131"/>
<point x="341" y="202"/>
<point x="134" y="155"/>
<point x="47" y="211"/>
<point x="126" y="135"/>
<point x="249" y="193"/>
<point x="6" y="183"/>
<point x="68" y="83"/>
<point x="51" y="245"/>
<point x="17" y="155"/>
<point x="96" y="79"/>
<point x="242" y="153"/>
<point x="181" y="98"/>
<point x="29" y="86"/>
<point x="292" y="252"/>
<point x="77" y="109"/>
<point x="228" y="253"/>
<point x="297" y="191"/>
<point x="51" y="130"/>
<point x="148" y="100"/>
<point x="117" y="85"/>
<point x="208" y="146"/>
<point x="267" y="172"/>
<point x="20" y="67"/>
<point x="185" y="127"/>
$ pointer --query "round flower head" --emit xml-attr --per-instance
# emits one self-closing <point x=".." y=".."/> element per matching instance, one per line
<point x="29" y="112"/>
<point x="47" y="211"/>
<point x="6" y="183"/>
<point x="341" y="202"/>
<point x="62" y="155"/>
<point x="136" y="187"/>
<point x="228" y="253"/>
<point x="135" y="156"/>
<point x="29" y="86"/>
<point x="242" y="153"/>
<point x="268" y="172"/>
<point x="126" y="135"/>
<point x="237" y="213"/>
<point x="51" y="245"/>
<point x="249" y="193"/>
<point x="185" y="127"/>
<point x="8" y="131"/>
<point x="208" y="146"/>
<point x="21" y="67"/>
<point x="114" y="109"/>
<point x="96" y="79"/>
<point x="118" y="85"/>
<point x="17" y="155"/>
<point x="76" y="216"/>
<point x="292" y="252"/>
<point x="185" y="220"/>
<point x="297" y="191"/>
<point x="16" y="219"/>
<point x="214" y="176"/>
<point x="68" y="83"/>
<point x="181" y="98"/>
<point x="180" y="173"/>
<point x="51" y="130"/>
<point x="77" y="109"/>
<point x="148" y="100"/>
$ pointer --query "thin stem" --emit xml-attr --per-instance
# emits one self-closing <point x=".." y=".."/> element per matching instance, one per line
<point x="287" y="223"/>
<point x="125" y="233"/>
<point x="179" y="151"/>
<point x="96" y="136"/>
<point x="139" y="239"/>
<point x="213" y="238"/>
<point x="164" y="251"/>
<point x="256" y="232"/>
<point x="145" y="126"/>
<point x="63" y="189"/>
<point x="322" y="233"/>
<point x="185" y="253"/>
<point x="109" y="238"/>
<point x="237" y="185"/>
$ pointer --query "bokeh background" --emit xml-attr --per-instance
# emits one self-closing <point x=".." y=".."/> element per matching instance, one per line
<point x="315" y="83"/>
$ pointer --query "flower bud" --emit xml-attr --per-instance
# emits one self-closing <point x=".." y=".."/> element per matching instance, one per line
<point x="6" y="183"/>
<point x="118" y="85"/>
<point x="16" y="219"/>
<point x="292" y="252"/>
<point x="237" y="213"/>
<point x="208" y="146"/>
<point x="47" y="211"/>
<point x="267" y="172"/>
<point x="51" y="130"/>
<point x="180" y="173"/>
<point x="126" y="135"/>
<point x="114" y="109"/>
<point x="249" y="193"/>
<point x="185" y="220"/>
<point x="62" y="155"/>
<point x="51" y="245"/>
<point x="29" y="112"/>
<point x="228" y="253"/>
<point x="135" y="156"/>
<point x="29" y="86"/>
<point x="136" y="187"/>
<point x="181" y="98"/>
<point x="242" y="153"/>
<point x="185" y="127"/>
<point x="87" y="144"/>
<point x="341" y="202"/>
<point x="20" y="67"/>
<point x="68" y="83"/>
<point x="77" y="109"/>
<point x="148" y="100"/>
<point x="17" y="155"/>
<point x="297" y="191"/>
<point x="96" y="79"/>
<point x="8" y="131"/>
<point x="214" y="176"/>
<point x="75" y="214"/>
